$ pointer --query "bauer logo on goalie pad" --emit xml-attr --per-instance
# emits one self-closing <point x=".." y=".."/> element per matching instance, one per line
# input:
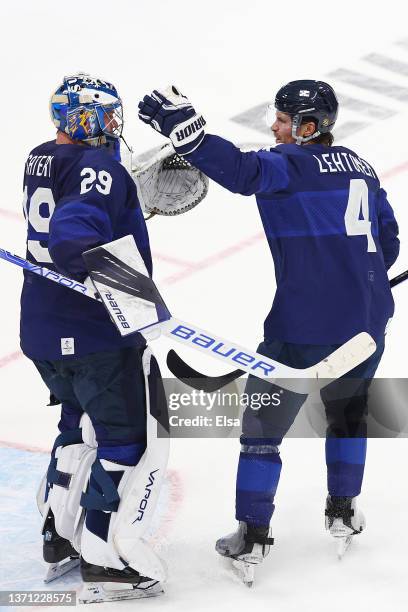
<point x="221" y="348"/>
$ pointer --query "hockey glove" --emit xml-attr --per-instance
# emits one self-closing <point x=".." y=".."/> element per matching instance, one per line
<point x="171" y="114"/>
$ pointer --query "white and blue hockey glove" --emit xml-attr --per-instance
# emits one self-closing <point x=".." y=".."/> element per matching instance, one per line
<point x="171" y="114"/>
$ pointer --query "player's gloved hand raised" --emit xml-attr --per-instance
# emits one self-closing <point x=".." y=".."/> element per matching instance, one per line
<point x="171" y="114"/>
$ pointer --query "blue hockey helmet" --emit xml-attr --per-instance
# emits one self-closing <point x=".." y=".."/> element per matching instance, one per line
<point x="87" y="109"/>
<point x="314" y="100"/>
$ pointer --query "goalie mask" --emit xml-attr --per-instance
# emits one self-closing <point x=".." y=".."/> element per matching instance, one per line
<point x="87" y="109"/>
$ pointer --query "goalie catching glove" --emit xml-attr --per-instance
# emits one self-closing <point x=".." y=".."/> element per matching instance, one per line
<point x="171" y="114"/>
<point x="167" y="184"/>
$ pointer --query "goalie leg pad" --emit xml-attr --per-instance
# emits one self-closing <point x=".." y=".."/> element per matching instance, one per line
<point x="61" y="488"/>
<point x="121" y="499"/>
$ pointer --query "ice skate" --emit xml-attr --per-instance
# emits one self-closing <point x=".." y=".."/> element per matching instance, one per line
<point x="343" y="521"/>
<point x="247" y="547"/>
<point x="107" y="584"/>
<point x="57" y="552"/>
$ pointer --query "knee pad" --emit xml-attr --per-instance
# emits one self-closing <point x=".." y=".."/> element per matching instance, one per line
<point x="128" y="494"/>
<point x="61" y="487"/>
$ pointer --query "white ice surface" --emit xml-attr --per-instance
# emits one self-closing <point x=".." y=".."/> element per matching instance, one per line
<point x="227" y="57"/>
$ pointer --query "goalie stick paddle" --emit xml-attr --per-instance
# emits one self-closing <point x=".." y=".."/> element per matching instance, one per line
<point x="137" y="306"/>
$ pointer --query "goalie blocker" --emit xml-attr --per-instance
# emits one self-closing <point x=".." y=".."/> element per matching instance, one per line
<point x="135" y="305"/>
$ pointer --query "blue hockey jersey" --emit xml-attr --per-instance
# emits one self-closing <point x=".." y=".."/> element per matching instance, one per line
<point x="331" y="231"/>
<point x="75" y="198"/>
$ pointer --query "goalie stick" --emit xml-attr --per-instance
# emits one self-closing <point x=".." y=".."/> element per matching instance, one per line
<point x="202" y="382"/>
<point x="135" y="305"/>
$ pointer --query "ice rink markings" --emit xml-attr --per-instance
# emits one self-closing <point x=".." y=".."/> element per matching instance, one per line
<point x="361" y="83"/>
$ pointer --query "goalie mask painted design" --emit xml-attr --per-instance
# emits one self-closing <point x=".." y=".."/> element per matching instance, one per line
<point x="87" y="109"/>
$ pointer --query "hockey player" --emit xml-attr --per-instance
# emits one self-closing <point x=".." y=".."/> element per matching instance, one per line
<point x="333" y="236"/>
<point x="78" y="196"/>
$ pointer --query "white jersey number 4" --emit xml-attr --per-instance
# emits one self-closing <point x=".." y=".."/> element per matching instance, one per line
<point x="357" y="206"/>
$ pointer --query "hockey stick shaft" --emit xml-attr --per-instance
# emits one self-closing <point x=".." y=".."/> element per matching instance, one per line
<point x="399" y="279"/>
<point x="178" y="330"/>
<point x="60" y="279"/>
<point x="351" y="354"/>
<point x="184" y="372"/>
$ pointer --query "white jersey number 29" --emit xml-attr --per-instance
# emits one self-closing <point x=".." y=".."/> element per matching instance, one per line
<point x="358" y="205"/>
<point x="103" y="184"/>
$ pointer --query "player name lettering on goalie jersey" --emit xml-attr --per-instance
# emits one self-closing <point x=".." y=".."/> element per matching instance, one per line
<point x="341" y="161"/>
<point x="222" y="349"/>
<point x="39" y="165"/>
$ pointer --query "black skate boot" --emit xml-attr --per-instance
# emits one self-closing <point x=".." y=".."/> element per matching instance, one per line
<point x="343" y="521"/>
<point x="57" y="551"/>
<point x="248" y="546"/>
<point x="109" y="584"/>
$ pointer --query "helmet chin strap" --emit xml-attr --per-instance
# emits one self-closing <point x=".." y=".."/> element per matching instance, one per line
<point x="296" y="123"/>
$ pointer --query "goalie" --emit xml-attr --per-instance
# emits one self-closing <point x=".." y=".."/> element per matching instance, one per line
<point x="77" y="196"/>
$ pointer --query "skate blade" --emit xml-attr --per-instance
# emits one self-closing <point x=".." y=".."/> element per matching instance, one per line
<point x="343" y="545"/>
<point x="56" y="570"/>
<point x="245" y="571"/>
<point x="97" y="592"/>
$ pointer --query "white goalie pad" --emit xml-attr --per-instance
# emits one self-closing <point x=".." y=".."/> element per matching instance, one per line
<point x="75" y="460"/>
<point x="167" y="184"/>
<point x="140" y="498"/>
<point x="73" y="463"/>
<point x="138" y="490"/>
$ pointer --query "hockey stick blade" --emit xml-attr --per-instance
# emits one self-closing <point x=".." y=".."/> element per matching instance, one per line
<point x="181" y="370"/>
<point x="203" y="382"/>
